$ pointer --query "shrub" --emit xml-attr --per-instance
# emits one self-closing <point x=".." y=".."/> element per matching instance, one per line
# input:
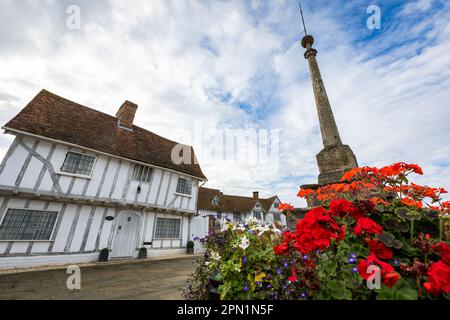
<point x="375" y="219"/>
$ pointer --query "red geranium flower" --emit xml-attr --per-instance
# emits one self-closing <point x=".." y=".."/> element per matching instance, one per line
<point x="349" y="175"/>
<point x="388" y="275"/>
<point x="368" y="226"/>
<point x="293" y="277"/>
<point x="376" y="201"/>
<point x="380" y="249"/>
<point x="391" y="278"/>
<point x="285" y="206"/>
<point x="303" y="193"/>
<point x="339" y="206"/>
<point x="281" y="249"/>
<point x="412" y="203"/>
<point x="444" y="251"/>
<point x="286" y="240"/>
<point x="438" y="278"/>
<point x="316" y="230"/>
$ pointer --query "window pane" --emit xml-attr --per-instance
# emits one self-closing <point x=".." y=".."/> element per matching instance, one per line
<point x="167" y="228"/>
<point x="78" y="163"/>
<point x="71" y="162"/>
<point x="22" y="224"/>
<point x="142" y="173"/>
<point x="257" y="215"/>
<point x="184" y="186"/>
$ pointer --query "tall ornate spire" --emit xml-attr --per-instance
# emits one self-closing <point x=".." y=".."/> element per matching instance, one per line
<point x="335" y="158"/>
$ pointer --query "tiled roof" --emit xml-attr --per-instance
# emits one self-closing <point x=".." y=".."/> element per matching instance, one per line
<point x="230" y="203"/>
<point x="54" y="117"/>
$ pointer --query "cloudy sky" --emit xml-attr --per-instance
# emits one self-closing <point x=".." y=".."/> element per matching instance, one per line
<point x="216" y="66"/>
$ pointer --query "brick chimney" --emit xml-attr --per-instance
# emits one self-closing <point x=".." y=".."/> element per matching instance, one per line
<point x="255" y="195"/>
<point x="125" y="115"/>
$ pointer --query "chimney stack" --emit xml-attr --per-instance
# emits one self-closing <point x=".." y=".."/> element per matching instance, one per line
<point x="125" y="115"/>
<point x="255" y="195"/>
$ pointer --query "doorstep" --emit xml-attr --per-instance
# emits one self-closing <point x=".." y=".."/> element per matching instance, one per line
<point x="113" y="261"/>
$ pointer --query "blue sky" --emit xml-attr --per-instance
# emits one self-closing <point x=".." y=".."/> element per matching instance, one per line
<point x="239" y="65"/>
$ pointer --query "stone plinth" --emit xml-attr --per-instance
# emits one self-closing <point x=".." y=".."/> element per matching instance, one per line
<point x="333" y="162"/>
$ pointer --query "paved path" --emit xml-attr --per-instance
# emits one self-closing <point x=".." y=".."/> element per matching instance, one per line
<point x="153" y="280"/>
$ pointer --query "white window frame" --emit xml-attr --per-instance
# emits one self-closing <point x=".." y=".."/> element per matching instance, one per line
<point x="180" y="233"/>
<point x="149" y="174"/>
<point x="77" y="174"/>
<point x="58" y="212"/>
<point x="260" y="213"/>
<point x="184" y="194"/>
<point x="216" y="198"/>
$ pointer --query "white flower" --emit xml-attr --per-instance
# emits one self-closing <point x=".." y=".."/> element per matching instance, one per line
<point x="215" y="256"/>
<point x="226" y="226"/>
<point x="244" y="243"/>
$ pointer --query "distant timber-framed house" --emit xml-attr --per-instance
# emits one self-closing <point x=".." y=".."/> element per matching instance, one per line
<point x="218" y="207"/>
<point x="76" y="180"/>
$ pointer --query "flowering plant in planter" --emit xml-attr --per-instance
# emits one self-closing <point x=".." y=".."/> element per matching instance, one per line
<point x="374" y="219"/>
<point x="374" y="225"/>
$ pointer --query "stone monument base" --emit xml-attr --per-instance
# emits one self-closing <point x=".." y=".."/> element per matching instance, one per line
<point x="332" y="157"/>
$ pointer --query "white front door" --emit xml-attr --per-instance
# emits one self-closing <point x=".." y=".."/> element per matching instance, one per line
<point x="126" y="235"/>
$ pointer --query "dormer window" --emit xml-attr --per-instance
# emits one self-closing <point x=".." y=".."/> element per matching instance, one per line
<point x="142" y="173"/>
<point x="276" y="204"/>
<point x="215" y="201"/>
<point x="257" y="206"/>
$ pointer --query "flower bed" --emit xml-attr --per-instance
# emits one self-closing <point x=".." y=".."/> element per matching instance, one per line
<point x="376" y="235"/>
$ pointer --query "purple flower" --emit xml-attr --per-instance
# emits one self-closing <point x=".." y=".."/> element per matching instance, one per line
<point x="258" y="283"/>
<point x="305" y="257"/>
<point x="351" y="260"/>
<point x="268" y="286"/>
<point x="244" y="260"/>
<point x="304" y="295"/>
<point x="354" y="270"/>
<point x="279" y="271"/>
<point x="286" y="265"/>
<point x="396" y="263"/>
<point x="352" y="256"/>
<point x="246" y="288"/>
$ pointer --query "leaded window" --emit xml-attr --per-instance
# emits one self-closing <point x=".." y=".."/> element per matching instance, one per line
<point x="167" y="228"/>
<point x="257" y="215"/>
<point x="24" y="224"/>
<point x="184" y="186"/>
<point x="78" y="163"/>
<point x="142" y="173"/>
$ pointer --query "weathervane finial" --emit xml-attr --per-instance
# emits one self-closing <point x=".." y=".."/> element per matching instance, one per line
<point x="303" y="19"/>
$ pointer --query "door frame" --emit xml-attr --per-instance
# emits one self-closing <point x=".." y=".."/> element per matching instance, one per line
<point x="138" y="234"/>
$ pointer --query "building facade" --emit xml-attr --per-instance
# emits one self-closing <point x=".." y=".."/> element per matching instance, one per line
<point x="75" y="181"/>
<point x="215" y="208"/>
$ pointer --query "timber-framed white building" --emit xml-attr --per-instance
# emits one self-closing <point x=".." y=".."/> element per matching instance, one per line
<point x="217" y="207"/>
<point x="76" y="180"/>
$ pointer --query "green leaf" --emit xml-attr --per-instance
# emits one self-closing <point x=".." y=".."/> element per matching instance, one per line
<point x="397" y="244"/>
<point x="385" y="294"/>
<point x="406" y="294"/>
<point x="386" y="238"/>
<point x="338" y="290"/>
<point x="402" y="212"/>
